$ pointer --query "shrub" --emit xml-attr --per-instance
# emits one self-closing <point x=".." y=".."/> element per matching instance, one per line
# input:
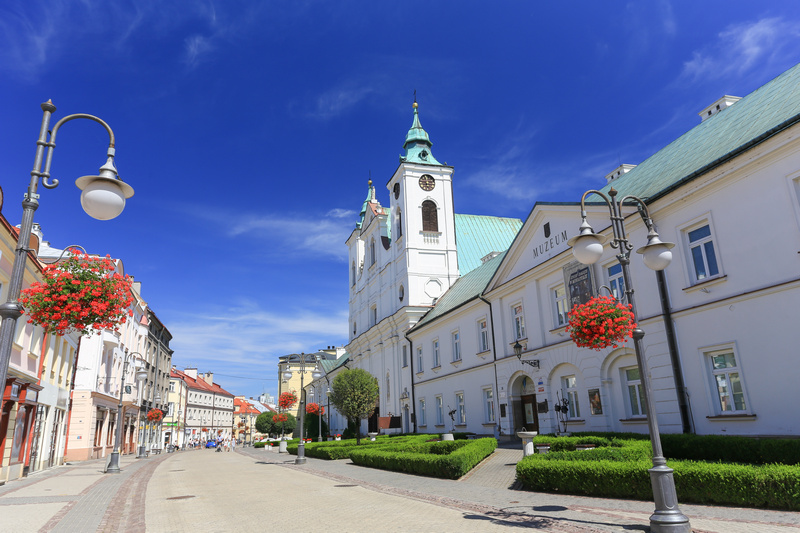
<point x="446" y="459"/>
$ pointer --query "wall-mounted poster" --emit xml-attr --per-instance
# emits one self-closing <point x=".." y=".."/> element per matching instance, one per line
<point x="579" y="282"/>
<point x="595" y="402"/>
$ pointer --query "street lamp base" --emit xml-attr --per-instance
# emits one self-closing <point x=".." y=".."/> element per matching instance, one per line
<point x="113" y="464"/>
<point x="667" y="518"/>
<point x="141" y="454"/>
<point x="301" y="454"/>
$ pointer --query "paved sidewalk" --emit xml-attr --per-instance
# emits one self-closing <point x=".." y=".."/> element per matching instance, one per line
<point x="237" y="491"/>
<point x="489" y="490"/>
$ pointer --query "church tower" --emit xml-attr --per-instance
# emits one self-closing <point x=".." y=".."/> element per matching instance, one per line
<point x="422" y="218"/>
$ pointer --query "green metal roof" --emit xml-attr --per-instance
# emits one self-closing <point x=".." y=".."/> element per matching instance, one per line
<point x="465" y="289"/>
<point x="477" y="236"/>
<point x="418" y="144"/>
<point x="754" y="118"/>
<point x="328" y="365"/>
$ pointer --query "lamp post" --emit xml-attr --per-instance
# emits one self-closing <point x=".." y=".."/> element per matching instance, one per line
<point x="156" y="401"/>
<point x="588" y="248"/>
<point x="113" y="463"/>
<point x="141" y="376"/>
<point x="103" y="198"/>
<point x="316" y="374"/>
<point x="319" y="413"/>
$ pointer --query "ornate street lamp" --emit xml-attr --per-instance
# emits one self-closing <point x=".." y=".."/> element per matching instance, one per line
<point x="103" y="198"/>
<point x="316" y="374"/>
<point x="113" y="463"/>
<point x="587" y="248"/>
<point x="141" y="376"/>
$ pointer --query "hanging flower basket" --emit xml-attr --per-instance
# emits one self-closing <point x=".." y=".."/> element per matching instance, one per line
<point x="280" y="418"/>
<point x="315" y="409"/>
<point x="287" y="400"/>
<point x="81" y="294"/>
<point x="204" y="429"/>
<point x="155" y="415"/>
<point x="600" y="323"/>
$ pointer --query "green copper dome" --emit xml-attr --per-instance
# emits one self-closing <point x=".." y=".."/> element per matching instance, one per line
<point x="418" y="144"/>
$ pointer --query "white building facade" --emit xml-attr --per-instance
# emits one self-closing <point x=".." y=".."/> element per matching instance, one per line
<point x="720" y="326"/>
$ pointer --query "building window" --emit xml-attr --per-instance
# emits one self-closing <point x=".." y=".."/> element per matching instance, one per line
<point x="616" y="282"/>
<point x="570" y="392"/>
<point x="456" y="346"/>
<point x="488" y="406"/>
<point x="436" y="362"/>
<point x="419" y="359"/>
<point x="405" y="356"/>
<point x="172" y="386"/>
<point x="560" y="306"/>
<point x="701" y="250"/>
<point x="483" y="336"/>
<point x="354" y="328"/>
<point x="439" y="411"/>
<point x="728" y="382"/>
<point x="373" y="256"/>
<point x="373" y="315"/>
<point x="422" y="421"/>
<point x="430" y="218"/>
<point x="519" y="322"/>
<point x="399" y="223"/>
<point x="633" y="383"/>
<point x="353" y="274"/>
<point x="461" y="415"/>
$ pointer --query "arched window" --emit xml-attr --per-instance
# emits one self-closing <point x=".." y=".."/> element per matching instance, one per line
<point x="430" y="218"/>
<point x="372" y="254"/>
<point x="353" y="274"/>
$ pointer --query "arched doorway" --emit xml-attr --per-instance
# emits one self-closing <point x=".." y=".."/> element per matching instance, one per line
<point x="523" y="403"/>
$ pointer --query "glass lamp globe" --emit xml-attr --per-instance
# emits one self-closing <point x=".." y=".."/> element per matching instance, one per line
<point x="587" y="248"/>
<point x="656" y="255"/>
<point x="287" y="375"/>
<point x="103" y="197"/>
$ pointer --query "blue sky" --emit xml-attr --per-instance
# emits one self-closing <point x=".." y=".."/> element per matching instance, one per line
<point x="249" y="130"/>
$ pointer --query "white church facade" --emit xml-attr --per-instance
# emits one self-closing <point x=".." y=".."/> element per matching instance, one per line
<point x="439" y="301"/>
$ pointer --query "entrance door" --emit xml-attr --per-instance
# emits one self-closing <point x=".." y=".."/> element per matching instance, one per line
<point x="525" y="414"/>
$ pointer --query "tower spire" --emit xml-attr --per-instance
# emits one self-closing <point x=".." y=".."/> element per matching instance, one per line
<point x="418" y="144"/>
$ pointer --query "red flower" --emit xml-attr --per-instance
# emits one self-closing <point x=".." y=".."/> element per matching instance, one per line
<point x="287" y="400"/>
<point x="315" y="409"/>
<point x="601" y="322"/>
<point x="81" y="294"/>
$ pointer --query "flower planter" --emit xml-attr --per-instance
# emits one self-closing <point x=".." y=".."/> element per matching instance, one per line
<point x="527" y="441"/>
<point x="372" y="436"/>
<point x="584" y="446"/>
<point x="542" y="448"/>
<point x="282" y="447"/>
<point x="600" y="323"/>
<point x="447" y="436"/>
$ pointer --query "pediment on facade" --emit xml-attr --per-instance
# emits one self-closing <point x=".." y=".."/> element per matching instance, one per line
<point x="543" y="236"/>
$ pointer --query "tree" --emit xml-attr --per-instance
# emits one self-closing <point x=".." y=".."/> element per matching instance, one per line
<point x="354" y="393"/>
<point x="266" y="425"/>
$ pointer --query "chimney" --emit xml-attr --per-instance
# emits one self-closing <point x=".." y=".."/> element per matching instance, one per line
<point x="191" y="372"/>
<point x="719" y="105"/>
<point x="209" y="378"/>
<point x="619" y="171"/>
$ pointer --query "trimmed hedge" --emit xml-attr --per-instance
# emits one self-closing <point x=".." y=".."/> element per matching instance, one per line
<point x="444" y="459"/>
<point x="769" y="486"/>
<point x="619" y="469"/>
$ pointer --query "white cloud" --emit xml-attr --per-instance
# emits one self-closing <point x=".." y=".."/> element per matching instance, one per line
<point x="339" y="100"/>
<point x="196" y="46"/>
<point x="247" y="339"/>
<point x="744" y="47"/>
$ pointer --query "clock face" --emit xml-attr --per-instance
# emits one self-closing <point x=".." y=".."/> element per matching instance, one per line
<point x="426" y="182"/>
<point x="396" y="191"/>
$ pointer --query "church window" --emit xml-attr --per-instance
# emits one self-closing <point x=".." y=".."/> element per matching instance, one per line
<point x="399" y="223"/>
<point x="372" y="254"/>
<point x="353" y="274"/>
<point x="430" y="219"/>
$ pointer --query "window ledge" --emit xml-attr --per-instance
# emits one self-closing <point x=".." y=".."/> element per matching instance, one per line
<point x="576" y="421"/>
<point x="484" y="353"/>
<point x="700" y="285"/>
<point x="559" y="330"/>
<point x="420" y="372"/>
<point x="736" y="416"/>
<point x="489" y="424"/>
<point x="637" y="420"/>
<point x="461" y="425"/>
<point x="437" y="367"/>
<point x="456" y="363"/>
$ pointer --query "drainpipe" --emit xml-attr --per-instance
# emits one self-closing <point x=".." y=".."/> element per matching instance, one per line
<point x="672" y="344"/>
<point x="494" y="358"/>
<point x="413" y="400"/>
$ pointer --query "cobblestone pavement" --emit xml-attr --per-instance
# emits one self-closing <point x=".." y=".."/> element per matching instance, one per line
<point x="253" y="489"/>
